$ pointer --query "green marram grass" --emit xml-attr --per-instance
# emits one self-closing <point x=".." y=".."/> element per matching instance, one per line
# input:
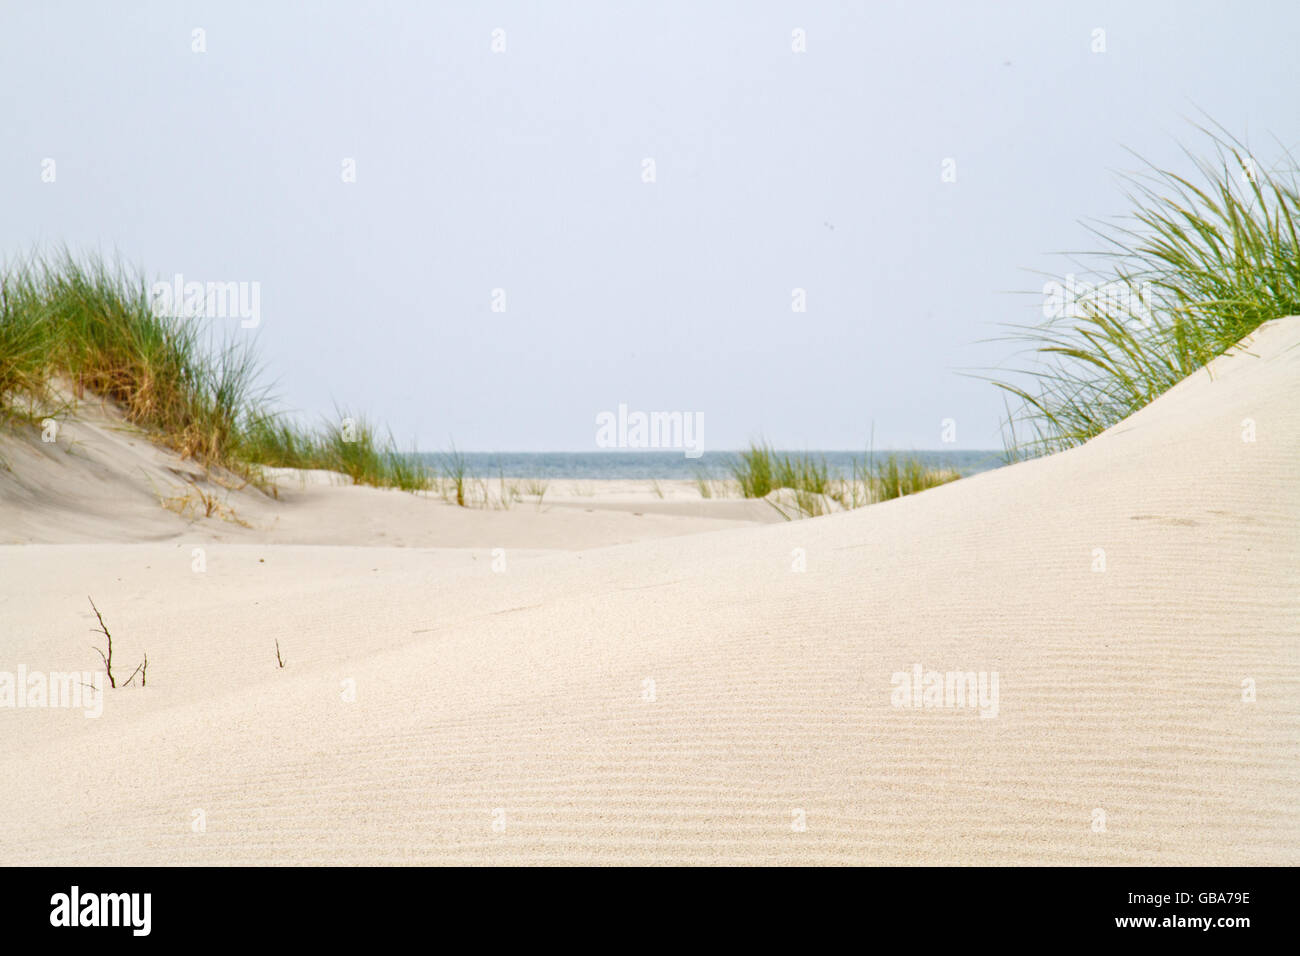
<point x="90" y="324"/>
<point x="900" y="475"/>
<point x="759" y="470"/>
<point x="1202" y="261"/>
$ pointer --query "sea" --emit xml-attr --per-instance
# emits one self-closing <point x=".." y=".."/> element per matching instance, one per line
<point x="667" y="465"/>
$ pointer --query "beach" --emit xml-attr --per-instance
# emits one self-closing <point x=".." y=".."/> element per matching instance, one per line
<point x="351" y="675"/>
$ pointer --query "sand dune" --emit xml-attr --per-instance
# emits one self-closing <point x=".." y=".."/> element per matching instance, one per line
<point x="103" y="481"/>
<point x="694" y="698"/>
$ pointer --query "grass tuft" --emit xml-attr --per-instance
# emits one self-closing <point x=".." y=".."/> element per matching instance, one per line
<point x="92" y="323"/>
<point x="759" y="470"/>
<point x="898" y="476"/>
<point x="1201" y="262"/>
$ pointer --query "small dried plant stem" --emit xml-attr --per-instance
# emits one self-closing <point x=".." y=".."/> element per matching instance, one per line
<point x="106" y="658"/>
<point x="142" y="669"/>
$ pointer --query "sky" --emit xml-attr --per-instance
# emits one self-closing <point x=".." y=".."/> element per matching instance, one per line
<point x="452" y="227"/>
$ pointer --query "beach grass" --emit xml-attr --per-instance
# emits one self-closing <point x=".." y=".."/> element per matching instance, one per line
<point x="91" y="323"/>
<point x="1200" y="263"/>
<point x="900" y="475"/>
<point x="760" y="470"/>
<point x="703" y="482"/>
<point x="455" y="469"/>
<point x="754" y="469"/>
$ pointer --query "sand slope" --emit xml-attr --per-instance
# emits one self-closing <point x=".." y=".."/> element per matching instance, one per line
<point x="507" y="717"/>
<point x="103" y="481"/>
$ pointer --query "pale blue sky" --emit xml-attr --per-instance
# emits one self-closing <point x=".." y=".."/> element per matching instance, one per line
<point x="522" y="170"/>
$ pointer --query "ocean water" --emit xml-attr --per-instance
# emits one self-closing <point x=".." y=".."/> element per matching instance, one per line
<point x="666" y="465"/>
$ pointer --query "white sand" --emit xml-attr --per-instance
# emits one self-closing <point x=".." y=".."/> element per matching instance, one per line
<point x="521" y="698"/>
<point x="102" y="481"/>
